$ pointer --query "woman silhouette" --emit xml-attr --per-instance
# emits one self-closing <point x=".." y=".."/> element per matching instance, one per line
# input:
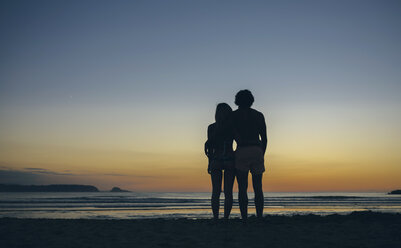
<point x="219" y="150"/>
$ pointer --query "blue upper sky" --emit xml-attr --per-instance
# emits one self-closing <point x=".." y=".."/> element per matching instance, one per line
<point x="173" y="51"/>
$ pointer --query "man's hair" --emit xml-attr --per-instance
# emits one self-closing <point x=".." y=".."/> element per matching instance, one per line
<point x="244" y="98"/>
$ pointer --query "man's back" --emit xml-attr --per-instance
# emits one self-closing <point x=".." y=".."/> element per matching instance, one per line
<point x="249" y="127"/>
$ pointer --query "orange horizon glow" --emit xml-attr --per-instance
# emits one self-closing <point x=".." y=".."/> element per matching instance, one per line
<point x="171" y="172"/>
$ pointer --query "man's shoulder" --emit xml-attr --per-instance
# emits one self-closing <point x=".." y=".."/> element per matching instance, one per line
<point x="237" y="112"/>
<point x="257" y="113"/>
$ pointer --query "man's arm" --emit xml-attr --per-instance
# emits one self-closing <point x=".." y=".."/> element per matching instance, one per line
<point x="263" y="133"/>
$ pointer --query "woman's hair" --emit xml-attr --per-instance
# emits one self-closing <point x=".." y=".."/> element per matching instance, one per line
<point x="222" y="111"/>
<point x="244" y="98"/>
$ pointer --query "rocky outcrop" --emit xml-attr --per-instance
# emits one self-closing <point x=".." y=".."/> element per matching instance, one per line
<point x="395" y="192"/>
<point x="117" y="189"/>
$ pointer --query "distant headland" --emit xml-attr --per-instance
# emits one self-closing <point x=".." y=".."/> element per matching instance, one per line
<point x="395" y="192"/>
<point x="47" y="188"/>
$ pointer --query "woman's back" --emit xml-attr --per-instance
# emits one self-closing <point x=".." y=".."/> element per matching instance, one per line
<point x="220" y="140"/>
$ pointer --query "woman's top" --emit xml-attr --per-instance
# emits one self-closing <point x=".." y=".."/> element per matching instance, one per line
<point x="219" y="145"/>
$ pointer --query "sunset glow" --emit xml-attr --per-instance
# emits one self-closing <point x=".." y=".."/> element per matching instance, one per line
<point x="121" y="95"/>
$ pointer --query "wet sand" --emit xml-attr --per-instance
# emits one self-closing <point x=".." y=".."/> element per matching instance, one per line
<point x="359" y="229"/>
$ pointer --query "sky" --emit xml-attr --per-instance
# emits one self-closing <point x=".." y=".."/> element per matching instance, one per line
<point x="120" y="93"/>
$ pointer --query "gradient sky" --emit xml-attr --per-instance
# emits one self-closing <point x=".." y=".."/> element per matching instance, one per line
<point x="120" y="93"/>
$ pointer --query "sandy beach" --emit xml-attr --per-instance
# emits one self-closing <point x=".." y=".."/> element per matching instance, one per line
<point x="359" y="229"/>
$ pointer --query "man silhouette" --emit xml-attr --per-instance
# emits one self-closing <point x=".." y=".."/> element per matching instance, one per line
<point x="249" y="130"/>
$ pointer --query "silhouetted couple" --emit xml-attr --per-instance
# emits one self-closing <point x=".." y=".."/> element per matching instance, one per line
<point x="248" y="128"/>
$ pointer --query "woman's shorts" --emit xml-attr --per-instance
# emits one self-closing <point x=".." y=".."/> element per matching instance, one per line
<point x="250" y="158"/>
<point x="222" y="164"/>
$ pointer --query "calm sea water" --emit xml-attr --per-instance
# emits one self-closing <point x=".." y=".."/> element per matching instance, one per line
<point x="128" y="205"/>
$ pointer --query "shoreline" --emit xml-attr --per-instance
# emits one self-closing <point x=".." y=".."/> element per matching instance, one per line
<point x="358" y="229"/>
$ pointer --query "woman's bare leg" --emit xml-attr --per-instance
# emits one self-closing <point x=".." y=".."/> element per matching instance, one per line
<point x="216" y="176"/>
<point x="229" y="176"/>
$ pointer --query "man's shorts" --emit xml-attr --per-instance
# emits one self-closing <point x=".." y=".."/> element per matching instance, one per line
<point x="250" y="158"/>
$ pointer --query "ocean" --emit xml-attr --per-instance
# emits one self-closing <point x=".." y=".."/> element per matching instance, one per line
<point x="133" y="205"/>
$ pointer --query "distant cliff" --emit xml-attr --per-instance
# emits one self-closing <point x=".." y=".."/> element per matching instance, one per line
<point x="47" y="188"/>
<point x="395" y="192"/>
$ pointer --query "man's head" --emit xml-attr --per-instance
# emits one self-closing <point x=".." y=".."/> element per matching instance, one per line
<point x="244" y="99"/>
